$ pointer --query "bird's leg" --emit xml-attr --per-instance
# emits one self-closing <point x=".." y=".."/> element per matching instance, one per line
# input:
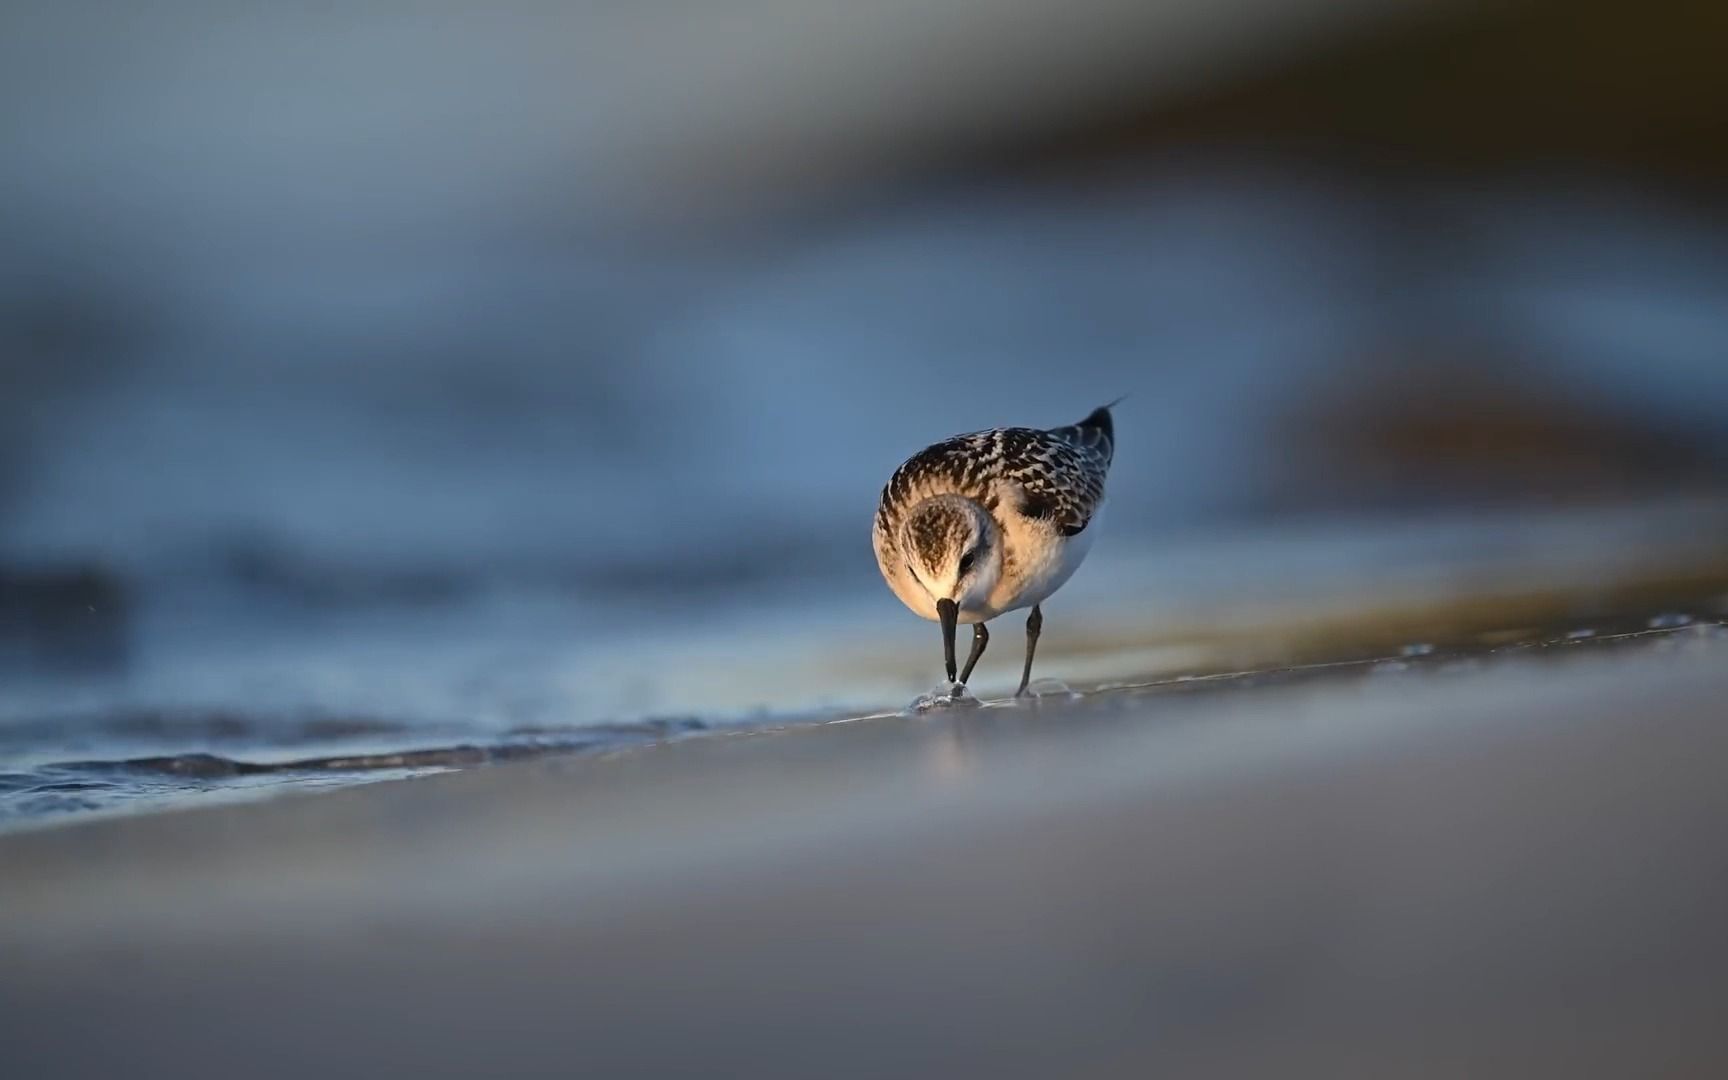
<point x="980" y="638"/>
<point x="1034" y="625"/>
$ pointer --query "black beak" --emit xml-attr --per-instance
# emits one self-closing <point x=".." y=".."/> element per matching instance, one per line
<point x="948" y="611"/>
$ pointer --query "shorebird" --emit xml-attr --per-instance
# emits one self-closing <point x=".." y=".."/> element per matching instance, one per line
<point x="991" y="522"/>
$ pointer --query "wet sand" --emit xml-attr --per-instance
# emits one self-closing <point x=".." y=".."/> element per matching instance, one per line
<point x="1499" y="865"/>
<point x="241" y="708"/>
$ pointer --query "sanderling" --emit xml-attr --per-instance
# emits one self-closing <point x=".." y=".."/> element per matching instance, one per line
<point x="990" y="522"/>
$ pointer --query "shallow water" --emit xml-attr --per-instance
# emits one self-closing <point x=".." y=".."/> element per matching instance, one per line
<point x="239" y="760"/>
<point x="333" y="703"/>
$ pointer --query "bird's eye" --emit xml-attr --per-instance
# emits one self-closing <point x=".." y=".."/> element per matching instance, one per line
<point x="967" y="560"/>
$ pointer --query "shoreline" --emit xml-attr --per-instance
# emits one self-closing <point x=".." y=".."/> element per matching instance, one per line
<point x="927" y="892"/>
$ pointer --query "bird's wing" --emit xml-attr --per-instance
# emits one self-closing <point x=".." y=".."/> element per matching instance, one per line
<point x="1059" y="482"/>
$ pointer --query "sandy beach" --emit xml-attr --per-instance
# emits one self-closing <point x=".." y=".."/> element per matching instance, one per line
<point x="1510" y="867"/>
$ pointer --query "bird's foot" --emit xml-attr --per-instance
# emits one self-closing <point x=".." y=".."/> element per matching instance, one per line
<point x="945" y="697"/>
<point x="1047" y="690"/>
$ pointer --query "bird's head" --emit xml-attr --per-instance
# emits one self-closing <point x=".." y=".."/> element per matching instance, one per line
<point x="954" y="552"/>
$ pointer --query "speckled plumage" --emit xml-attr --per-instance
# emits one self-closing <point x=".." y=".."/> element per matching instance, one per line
<point x="1059" y="473"/>
<point x="1020" y="498"/>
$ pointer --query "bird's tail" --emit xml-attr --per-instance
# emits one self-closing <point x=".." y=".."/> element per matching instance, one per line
<point x="1097" y="432"/>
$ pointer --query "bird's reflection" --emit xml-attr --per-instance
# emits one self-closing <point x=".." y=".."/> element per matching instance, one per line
<point x="951" y="752"/>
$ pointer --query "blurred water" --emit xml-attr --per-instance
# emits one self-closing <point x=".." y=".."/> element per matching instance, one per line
<point x="551" y="414"/>
<point x="489" y="487"/>
<point x="233" y="697"/>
